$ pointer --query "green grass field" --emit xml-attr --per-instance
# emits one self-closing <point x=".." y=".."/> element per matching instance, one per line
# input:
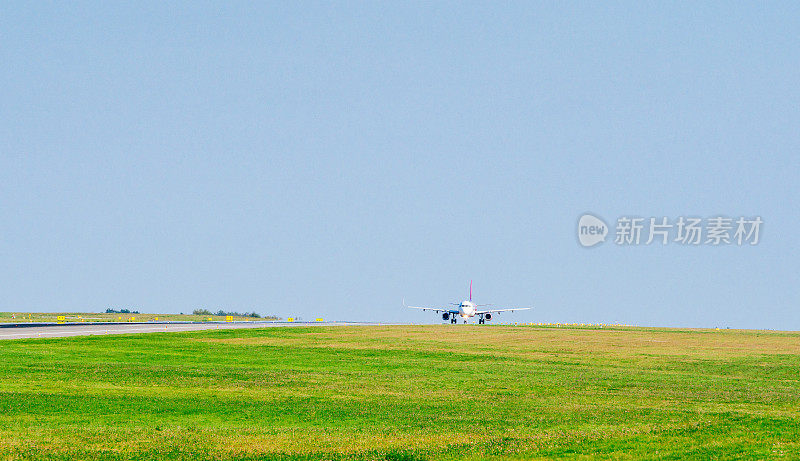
<point x="403" y="392"/>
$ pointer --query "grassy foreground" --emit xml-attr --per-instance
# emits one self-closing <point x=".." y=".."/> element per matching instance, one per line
<point x="403" y="392"/>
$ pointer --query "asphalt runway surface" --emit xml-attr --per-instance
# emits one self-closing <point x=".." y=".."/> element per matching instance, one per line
<point x="88" y="329"/>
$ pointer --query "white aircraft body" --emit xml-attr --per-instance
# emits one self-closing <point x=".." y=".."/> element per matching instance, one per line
<point x="467" y="309"/>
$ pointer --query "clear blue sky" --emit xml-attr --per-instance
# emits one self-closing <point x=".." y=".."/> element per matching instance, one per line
<point x="320" y="159"/>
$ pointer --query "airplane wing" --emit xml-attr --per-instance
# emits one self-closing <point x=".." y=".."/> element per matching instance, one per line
<point x="512" y="309"/>
<point x="452" y="311"/>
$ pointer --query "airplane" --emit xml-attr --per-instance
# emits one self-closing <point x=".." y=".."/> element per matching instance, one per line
<point x="467" y="309"/>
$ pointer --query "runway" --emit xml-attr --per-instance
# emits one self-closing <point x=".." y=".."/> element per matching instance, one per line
<point x="87" y="329"/>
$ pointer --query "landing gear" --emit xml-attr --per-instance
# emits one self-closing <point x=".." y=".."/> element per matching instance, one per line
<point x="481" y="321"/>
<point x="453" y="320"/>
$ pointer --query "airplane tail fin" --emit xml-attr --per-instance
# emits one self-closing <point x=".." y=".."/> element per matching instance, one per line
<point x="470" y="290"/>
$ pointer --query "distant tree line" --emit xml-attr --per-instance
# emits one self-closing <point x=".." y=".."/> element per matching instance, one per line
<point x="121" y="311"/>
<point x="222" y="313"/>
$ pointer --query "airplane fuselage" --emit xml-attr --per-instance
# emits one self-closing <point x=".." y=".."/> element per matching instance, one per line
<point x="467" y="309"/>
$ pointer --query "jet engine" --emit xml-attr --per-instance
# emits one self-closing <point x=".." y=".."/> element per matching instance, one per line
<point x="488" y="316"/>
<point x="446" y="316"/>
